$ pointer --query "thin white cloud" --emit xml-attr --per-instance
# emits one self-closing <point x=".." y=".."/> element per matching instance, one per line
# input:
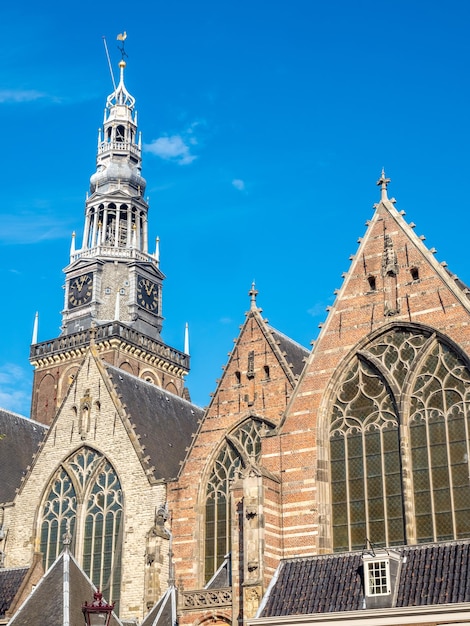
<point x="178" y="148"/>
<point x="14" y="389"/>
<point x="238" y="184"/>
<point x="15" y="96"/>
<point x="25" y="228"/>
<point x="172" y="148"/>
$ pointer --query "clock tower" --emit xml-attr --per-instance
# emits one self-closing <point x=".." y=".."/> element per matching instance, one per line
<point x="113" y="285"/>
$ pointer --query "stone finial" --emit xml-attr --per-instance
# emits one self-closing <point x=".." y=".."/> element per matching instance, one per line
<point x="72" y="245"/>
<point x="67" y="536"/>
<point x="253" y="293"/>
<point x="383" y="182"/>
<point x="93" y="331"/>
<point x="34" y="338"/>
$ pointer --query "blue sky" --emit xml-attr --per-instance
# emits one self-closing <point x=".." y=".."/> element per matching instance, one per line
<point x="266" y="125"/>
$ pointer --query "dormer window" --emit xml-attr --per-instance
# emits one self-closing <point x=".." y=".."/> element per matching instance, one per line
<point x="378" y="578"/>
<point x="381" y="567"/>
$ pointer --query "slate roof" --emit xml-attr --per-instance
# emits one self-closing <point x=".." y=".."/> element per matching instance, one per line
<point x="10" y="581"/>
<point x="222" y="577"/>
<point x="431" y="574"/>
<point x="164" y="612"/>
<point x="64" y="584"/>
<point x="163" y="421"/>
<point x="19" y="440"/>
<point x="294" y="353"/>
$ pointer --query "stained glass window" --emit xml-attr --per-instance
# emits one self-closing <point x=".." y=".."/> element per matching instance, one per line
<point x="243" y="446"/>
<point x="88" y="478"/>
<point x="412" y="371"/>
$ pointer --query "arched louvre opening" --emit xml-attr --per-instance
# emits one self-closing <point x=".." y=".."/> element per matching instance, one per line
<point x="242" y="447"/>
<point x="86" y="495"/>
<point x="415" y="372"/>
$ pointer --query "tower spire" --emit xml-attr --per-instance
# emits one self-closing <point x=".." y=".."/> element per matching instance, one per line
<point x="115" y="232"/>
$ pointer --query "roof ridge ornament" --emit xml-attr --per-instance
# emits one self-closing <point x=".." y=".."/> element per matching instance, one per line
<point x="253" y="293"/>
<point x="383" y="182"/>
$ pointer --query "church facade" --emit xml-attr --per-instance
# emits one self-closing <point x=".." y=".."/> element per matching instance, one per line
<point x="340" y="463"/>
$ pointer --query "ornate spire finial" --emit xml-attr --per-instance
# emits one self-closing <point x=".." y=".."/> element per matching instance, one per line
<point x="383" y="182"/>
<point x="122" y="38"/>
<point x="253" y="293"/>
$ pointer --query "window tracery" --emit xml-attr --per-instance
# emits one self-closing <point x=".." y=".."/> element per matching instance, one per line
<point x="412" y="380"/>
<point x="242" y="448"/>
<point x="86" y="494"/>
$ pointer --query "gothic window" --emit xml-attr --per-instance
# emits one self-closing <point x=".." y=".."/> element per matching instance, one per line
<point x="243" y="446"/>
<point x="440" y="450"/>
<point x="408" y="378"/>
<point x="86" y="494"/>
<point x="365" y="462"/>
<point x="59" y="509"/>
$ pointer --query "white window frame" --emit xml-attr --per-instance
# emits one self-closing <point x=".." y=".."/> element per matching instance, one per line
<point x="373" y="573"/>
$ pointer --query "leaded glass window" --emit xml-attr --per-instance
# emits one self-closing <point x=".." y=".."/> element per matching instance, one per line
<point x="439" y="431"/>
<point x="59" y="510"/>
<point x="416" y="372"/>
<point x="243" y="446"/>
<point x="86" y="494"/>
<point x="365" y="462"/>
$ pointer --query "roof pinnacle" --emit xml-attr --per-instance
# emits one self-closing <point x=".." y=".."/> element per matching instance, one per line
<point x="253" y="293"/>
<point x="383" y="182"/>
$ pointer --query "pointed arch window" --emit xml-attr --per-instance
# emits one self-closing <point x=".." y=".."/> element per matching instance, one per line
<point x="440" y="450"/>
<point x="86" y="495"/>
<point x="413" y="380"/>
<point x="242" y="448"/>
<point x="365" y="463"/>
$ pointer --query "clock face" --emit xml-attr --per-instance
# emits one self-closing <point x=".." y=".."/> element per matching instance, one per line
<point x="147" y="294"/>
<point x="80" y="290"/>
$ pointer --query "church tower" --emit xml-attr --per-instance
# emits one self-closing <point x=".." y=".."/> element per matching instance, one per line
<point x="113" y="285"/>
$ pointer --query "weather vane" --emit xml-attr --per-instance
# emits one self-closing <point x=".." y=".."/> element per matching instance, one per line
<point x="122" y="38"/>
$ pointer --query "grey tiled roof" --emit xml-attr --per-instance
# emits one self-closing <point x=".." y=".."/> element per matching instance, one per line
<point x="431" y="574"/>
<point x="64" y="584"/>
<point x="435" y="574"/>
<point x="19" y="440"/>
<point x="163" y="421"/>
<point x="163" y="611"/>
<point x="10" y="581"/>
<point x="294" y="353"/>
<point x="222" y="578"/>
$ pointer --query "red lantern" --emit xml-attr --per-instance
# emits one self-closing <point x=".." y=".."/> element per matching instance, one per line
<point x="98" y="613"/>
